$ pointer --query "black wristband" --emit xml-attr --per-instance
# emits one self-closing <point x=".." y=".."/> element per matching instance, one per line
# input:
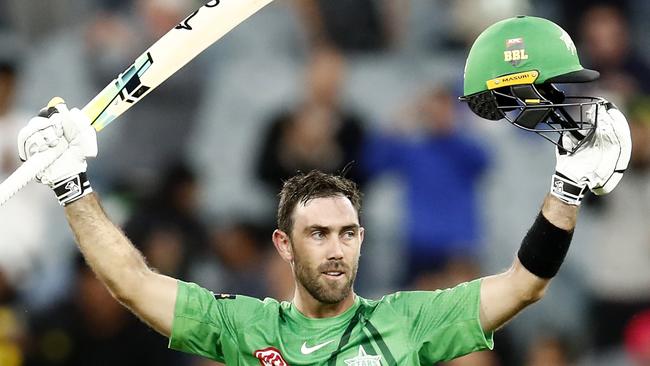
<point x="72" y="188"/>
<point x="544" y="248"/>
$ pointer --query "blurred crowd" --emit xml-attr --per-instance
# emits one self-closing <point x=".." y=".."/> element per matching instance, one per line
<point x="365" y="88"/>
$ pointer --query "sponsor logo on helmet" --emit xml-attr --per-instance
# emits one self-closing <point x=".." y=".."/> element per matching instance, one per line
<point x="514" y="41"/>
<point x="515" y="51"/>
<point x="270" y="356"/>
<point x="520" y="78"/>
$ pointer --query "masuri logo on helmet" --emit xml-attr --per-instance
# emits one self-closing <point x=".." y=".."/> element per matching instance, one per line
<point x="510" y="72"/>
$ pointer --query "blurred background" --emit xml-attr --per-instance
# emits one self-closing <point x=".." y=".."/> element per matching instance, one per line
<point x="368" y="87"/>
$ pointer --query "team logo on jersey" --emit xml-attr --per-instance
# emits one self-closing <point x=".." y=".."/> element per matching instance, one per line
<point x="270" y="356"/>
<point x="515" y="51"/>
<point x="363" y="359"/>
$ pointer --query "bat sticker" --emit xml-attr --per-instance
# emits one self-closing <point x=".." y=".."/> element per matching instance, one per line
<point x="185" y="23"/>
<point x="171" y="52"/>
<point x="131" y="87"/>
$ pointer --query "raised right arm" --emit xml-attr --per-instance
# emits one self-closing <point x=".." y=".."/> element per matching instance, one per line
<point x="117" y="263"/>
<point x="120" y="266"/>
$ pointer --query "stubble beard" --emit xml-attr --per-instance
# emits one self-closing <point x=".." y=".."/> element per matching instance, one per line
<point x="321" y="289"/>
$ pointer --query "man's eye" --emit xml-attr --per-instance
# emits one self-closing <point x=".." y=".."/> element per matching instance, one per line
<point x="318" y="235"/>
<point x="350" y="234"/>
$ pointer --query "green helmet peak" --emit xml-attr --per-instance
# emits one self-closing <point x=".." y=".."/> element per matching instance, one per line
<point x="523" y="50"/>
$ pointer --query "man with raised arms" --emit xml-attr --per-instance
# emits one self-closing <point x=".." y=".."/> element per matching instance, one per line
<point x="510" y="74"/>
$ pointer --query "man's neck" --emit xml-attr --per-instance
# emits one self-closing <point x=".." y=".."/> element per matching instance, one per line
<point x="313" y="308"/>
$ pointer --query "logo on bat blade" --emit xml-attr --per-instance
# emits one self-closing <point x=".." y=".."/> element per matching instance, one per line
<point x="129" y="84"/>
<point x="185" y="24"/>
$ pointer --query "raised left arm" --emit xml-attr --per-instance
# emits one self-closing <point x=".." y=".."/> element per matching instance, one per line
<point x="504" y="295"/>
<point x="598" y="164"/>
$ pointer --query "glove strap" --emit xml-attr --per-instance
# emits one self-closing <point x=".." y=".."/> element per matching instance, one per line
<point x="567" y="190"/>
<point x="72" y="188"/>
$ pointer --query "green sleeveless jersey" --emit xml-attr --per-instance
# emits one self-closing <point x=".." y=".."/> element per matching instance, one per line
<point x="404" y="328"/>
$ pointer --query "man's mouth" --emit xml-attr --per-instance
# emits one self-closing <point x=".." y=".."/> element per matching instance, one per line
<point x="333" y="274"/>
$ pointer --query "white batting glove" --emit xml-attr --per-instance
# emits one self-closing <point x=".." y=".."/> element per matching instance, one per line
<point x="599" y="163"/>
<point x="58" y="125"/>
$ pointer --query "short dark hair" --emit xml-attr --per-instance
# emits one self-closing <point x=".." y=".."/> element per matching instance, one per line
<point x="303" y="187"/>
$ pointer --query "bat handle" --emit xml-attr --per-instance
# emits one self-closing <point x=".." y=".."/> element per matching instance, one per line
<point x="28" y="170"/>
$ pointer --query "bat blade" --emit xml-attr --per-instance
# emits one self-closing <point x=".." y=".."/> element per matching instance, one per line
<point x="168" y="55"/>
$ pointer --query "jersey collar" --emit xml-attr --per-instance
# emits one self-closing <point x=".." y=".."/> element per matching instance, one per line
<point x="343" y="318"/>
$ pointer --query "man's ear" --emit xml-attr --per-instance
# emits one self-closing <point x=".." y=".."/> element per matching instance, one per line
<point x="282" y="244"/>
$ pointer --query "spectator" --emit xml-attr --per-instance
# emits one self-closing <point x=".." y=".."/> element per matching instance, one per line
<point x="13" y="327"/>
<point x="463" y="24"/>
<point x="235" y="261"/>
<point x="637" y="338"/>
<point x="11" y="120"/>
<point x="92" y="328"/>
<point x="168" y="225"/>
<point x="320" y="133"/>
<point x="36" y="21"/>
<point x="616" y="263"/>
<point x="607" y="48"/>
<point x="353" y="26"/>
<point x="548" y="350"/>
<point x="569" y="11"/>
<point x="440" y="167"/>
<point x="22" y="246"/>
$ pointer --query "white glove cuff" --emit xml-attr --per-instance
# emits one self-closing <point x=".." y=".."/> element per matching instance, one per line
<point x="566" y="190"/>
<point x="72" y="188"/>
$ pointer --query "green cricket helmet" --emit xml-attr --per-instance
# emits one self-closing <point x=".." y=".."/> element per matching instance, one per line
<point x="510" y="72"/>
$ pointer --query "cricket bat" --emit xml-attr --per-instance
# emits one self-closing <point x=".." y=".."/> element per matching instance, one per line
<point x="168" y="55"/>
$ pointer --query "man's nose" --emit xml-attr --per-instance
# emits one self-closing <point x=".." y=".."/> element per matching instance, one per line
<point x="335" y="249"/>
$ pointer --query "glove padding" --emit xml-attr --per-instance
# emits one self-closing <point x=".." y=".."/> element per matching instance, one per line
<point x="54" y="127"/>
<point x="599" y="163"/>
<point x="59" y="126"/>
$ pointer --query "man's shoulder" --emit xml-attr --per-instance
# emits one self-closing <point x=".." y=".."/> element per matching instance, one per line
<point x="191" y="293"/>
<point x="391" y="300"/>
<point x="392" y="297"/>
<point x="411" y="297"/>
<point x="263" y="304"/>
